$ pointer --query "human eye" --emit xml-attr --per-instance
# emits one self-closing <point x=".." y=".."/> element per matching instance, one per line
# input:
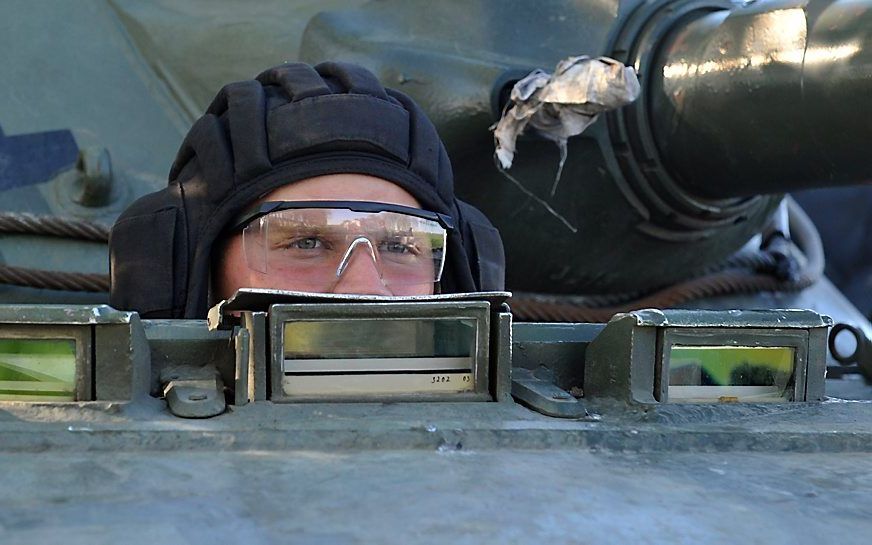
<point x="400" y="246"/>
<point x="300" y="242"/>
<point x="305" y="243"/>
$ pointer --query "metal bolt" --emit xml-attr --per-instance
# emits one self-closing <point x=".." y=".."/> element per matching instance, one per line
<point x="94" y="184"/>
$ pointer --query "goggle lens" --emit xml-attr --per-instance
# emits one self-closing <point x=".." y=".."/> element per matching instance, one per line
<point x="316" y="246"/>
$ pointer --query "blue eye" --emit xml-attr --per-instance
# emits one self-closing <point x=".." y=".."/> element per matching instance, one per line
<point x="307" y="243"/>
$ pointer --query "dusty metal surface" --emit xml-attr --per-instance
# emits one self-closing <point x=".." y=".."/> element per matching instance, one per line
<point x="478" y="496"/>
<point x="431" y="473"/>
<point x="835" y="426"/>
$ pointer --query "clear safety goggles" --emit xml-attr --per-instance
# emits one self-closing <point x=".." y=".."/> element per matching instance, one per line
<point x="316" y="242"/>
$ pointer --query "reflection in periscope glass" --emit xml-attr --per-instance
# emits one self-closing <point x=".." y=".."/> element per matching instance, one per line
<point x="731" y="373"/>
<point x="368" y="338"/>
<point x="374" y="356"/>
<point x="37" y="370"/>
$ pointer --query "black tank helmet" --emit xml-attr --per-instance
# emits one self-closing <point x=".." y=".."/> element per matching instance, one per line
<point x="291" y="123"/>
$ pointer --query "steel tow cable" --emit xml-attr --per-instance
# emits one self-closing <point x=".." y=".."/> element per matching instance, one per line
<point x="22" y="223"/>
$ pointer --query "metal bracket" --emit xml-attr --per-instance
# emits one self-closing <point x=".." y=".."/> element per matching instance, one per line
<point x="243" y="388"/>
<point x="536" y="390"/>
<point x="193" y="392"/>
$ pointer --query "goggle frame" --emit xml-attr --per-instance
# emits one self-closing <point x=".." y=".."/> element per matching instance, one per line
<point x="257" y="211"/>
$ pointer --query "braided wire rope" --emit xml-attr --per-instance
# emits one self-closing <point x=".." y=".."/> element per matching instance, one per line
<point x="733" y="280"/>
<point x="22" y="223"/>
<point x="31" y="224"/>
<point x="53" y="280"/>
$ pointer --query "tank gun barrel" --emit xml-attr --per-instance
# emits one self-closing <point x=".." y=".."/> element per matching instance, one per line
<point x="740" y="102"/>
<point x="767" y="98"/>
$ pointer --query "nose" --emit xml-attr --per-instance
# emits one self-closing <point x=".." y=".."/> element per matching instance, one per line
<point x="360" y="274"/>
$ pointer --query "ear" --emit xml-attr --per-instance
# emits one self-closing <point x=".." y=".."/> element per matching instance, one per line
<point x="148" y="259"/>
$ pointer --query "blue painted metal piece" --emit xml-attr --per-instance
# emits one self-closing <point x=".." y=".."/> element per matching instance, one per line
<point x="28" y="159"/>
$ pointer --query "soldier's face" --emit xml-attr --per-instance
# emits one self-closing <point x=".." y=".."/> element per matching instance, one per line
<point x="361" y="275"/>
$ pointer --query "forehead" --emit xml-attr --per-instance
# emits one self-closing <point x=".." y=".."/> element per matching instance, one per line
<point x="343" y="187"/>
